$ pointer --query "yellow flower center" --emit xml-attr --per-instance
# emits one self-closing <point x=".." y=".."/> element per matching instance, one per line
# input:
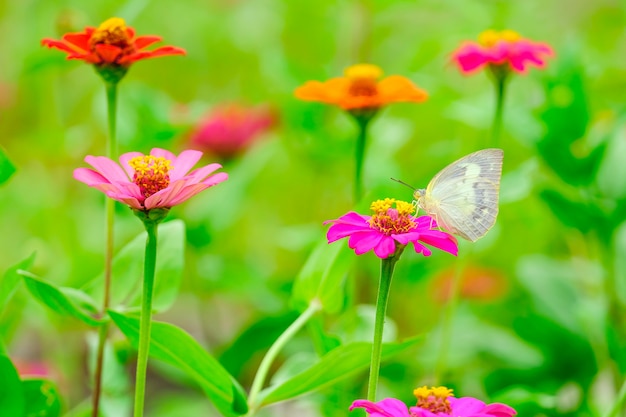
<point x="491" y="37"/>
<point x="111" y="32"/>
<point x="151" y="173"/>
<point x="363" y="78"/>
<point x="392" y="220"/>
<point x="434" y="399"/>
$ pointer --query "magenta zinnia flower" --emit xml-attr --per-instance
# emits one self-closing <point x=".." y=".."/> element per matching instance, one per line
<point x="146" y="182"/>
<point x="434" y="402"/>
<point x="506" y="49"/>
<point x="389" y="228"/>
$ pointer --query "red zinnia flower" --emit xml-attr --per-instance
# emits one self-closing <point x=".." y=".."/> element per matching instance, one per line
<point x="111" y="44"/>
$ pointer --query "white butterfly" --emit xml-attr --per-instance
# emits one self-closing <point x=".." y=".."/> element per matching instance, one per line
<point x="463" y="197"/>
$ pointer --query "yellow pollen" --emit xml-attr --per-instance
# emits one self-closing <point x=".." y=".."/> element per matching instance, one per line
<point x="111" y="32"/>
<point x="363" y="78"/>
<point x="434" y="399"/>
<point x="392" y="220"/>
<point x="363" y="72"/>
<point x="151" y="173"/>
<point x="491" y="37"/>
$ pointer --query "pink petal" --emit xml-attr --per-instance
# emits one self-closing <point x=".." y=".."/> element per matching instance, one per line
<point x="389" y="407"/>
<point x="108" y="168"/>
<point x="499" y="410"/>
<point x="89" y="176"/>
<point x="124" y="158"/>
<point x="185" y="161"/>
<point x="353" y="218"/>
<point x="341" y="230"/>
<point x="365" y="241"/>
<point x="161" y="198"/>
<point x="441" y="240"/>
<point x="158" y="152"/>
<point x="215" y="179"/>
<point x="385" y="248"/>
<point x="201" y="173"/>
<point x="466" y="406"/>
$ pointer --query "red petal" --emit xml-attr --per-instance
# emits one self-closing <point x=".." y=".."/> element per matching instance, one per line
<point x="108" y="53"/>
<point x="144" y="41"/>
<point x="62" y="46"/>
<point x="80" y="40"/>
<point x="165" y="50"/>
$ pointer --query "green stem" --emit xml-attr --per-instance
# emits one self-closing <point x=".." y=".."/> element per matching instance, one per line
<point x="111" y="93"/>
<point x="500" y="81"/>
<point x="359" y="155"/>
<point x="386" y="272"/>
<point x="146" y="315"/>
<point x="271" y="354"/>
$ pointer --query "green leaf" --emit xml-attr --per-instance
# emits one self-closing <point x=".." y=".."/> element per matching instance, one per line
<point x="582" y="215"/>
<point x="340" y="363"/>
<point x="7" y="169"/>
<point x="566" y="117"/>
<point x="65" y="301"/>
<point x="127" y="270"/>
<point x="11" y="279"/>
<point x="42" y="398"/>
<point x="322" y="277"/>
<point x="176" y="347"/>
<point x="12" y="393"/>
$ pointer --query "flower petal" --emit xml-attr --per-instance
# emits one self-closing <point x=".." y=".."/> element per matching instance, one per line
<point x="389" y="407"/>
<point x="89" y="176"/>
<point x="124" y="158"/>
<point x="144" y="41"/>
<point x="396" y="88"/>
<point x="108" y="53"/>
<point x="108" y="168"/>
<point x="162" y="51"/>
<point x="200" y="174"/>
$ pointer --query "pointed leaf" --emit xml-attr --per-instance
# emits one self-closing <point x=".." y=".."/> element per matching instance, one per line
<point x="322" y="277"/>
<point x="127" y="270"/>
<point x="12" y="393"/>
<point x="6" y="167"/>
<point x="176" y="347"/>
<point x="338" y="364"/>
<point x="65" y="301"/>
<point x="11" y="279"/>
<point x="42" y="398"/>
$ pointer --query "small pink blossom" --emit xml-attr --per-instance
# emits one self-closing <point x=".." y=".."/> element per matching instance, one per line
<point x="438" y="402"/>
<point x="145" y="182"/>
<point x="388" y="228"/>
<point x="506" y="49"/>
<point x="228" y="130"/>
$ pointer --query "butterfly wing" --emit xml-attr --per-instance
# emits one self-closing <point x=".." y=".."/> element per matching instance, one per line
<point x="463" y="196"/>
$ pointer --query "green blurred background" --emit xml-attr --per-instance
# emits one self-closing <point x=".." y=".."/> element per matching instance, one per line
<point x="540" y="324"/>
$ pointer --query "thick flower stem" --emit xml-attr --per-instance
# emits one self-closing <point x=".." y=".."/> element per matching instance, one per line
<point x="496" y="127"/>
<point x="386" y="272"/>
<point x="111" y="93"/>
<point x="146" y="315"/>
<point x="359" y="155"/>
<point x="271" y="354"/>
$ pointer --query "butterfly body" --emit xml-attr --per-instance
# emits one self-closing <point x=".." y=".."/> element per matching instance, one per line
<point x="463" y="197"/>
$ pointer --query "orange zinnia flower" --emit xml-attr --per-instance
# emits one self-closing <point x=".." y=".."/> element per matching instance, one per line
<point x="112" y="44"/>
<point x="362" y="88"/>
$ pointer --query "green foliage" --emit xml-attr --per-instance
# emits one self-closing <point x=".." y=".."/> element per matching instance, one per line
<point x="176" y="347"/>
<point x="64" y="300"/>
<point x="42" y="398"/>
<point x="322" y="277"/>
<point x="12" y="401"/>
<point x="337" y="365"/>
<point x="7" y="169"/>
<point x="11" y="279"/>
<point x="127" y="270"/>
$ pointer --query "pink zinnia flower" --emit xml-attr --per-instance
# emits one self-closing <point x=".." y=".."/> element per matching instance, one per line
<point x="434" y="402"/>
<point x="228" y="130"/>
<point x="146" y="182"/>
<point x="390" y="227"/>
<point x="506" y="49"/>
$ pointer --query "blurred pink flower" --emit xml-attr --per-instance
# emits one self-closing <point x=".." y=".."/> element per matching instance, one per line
<point x="389" y="228"/>
<point x="476" y="283"/>
<point x="229" y="130"/>
<point x="434" y="402"/>
<point x="505" y="49"/>
<point x="31" y="368"/>
<point x="146" y="182"/>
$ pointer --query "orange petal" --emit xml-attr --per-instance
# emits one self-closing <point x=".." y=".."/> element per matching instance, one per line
<point x="108" y="53"/>
<point x="397" y="88"/>
<point x="165" y="50"/>
<point x="144" y="41"/>
<point x="333" y="91"/>
<point x="80" y="40"/>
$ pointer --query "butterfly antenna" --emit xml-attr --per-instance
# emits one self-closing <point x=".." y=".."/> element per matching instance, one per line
<point x="404" y="183"/>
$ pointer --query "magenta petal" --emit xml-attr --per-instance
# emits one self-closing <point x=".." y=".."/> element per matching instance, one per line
<point x="499" y="410"/>
<point x="199" y="174"/>
<point x="341" y="230"/>
<point x="89" y="176"/>
<point x="107" y="167"/>
<point x="215" y="179"/>
<point x="124" y="158"/>
<point x="363" y="242"/>
<point x="351" y="217"/>
<point x="441" y="240"/>
<point x="181" y="165"/>
<point x="385" y="248"/>
<point x="466" y="406"/>
<point x="389" y="407"/>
